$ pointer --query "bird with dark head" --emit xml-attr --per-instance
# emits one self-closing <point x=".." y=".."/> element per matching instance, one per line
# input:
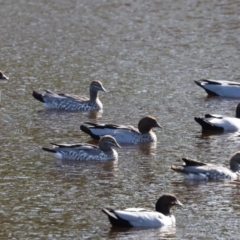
<point x="140" y="217"/>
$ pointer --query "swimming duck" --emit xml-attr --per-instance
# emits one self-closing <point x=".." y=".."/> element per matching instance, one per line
<point x="220" y="87"/>
<point x="124" y="133"/>
<point x="140" y="217"/>
<point x="72" y="102"/>
<point x="220" y="123"/>
<point x="206" y="171"/>
<point x="85" y="151"/>
<point x="3" y="76"/>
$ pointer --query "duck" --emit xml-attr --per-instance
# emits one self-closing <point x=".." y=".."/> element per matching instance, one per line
<point x="124" y="133"/>
<point x="215" y="122"/>
<point x="140" y="217"/>
<point x="206" y="171"/>
<point x="72" y="102"/>
<point x="220" y="88"/>
<point x="85" y="151"/>
<point x="3" y="76"/>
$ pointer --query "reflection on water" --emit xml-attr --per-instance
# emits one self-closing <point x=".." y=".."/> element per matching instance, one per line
<point x="145" y="148"/>
<point x="95" y="114"/>
<point x="148" y="148"/>
<point x="142" y="233"/>
<point x="229" y="136"/>
<point x="90" y="114"/>
<point x="208" y="134"/>
<point x="103" y="170"/>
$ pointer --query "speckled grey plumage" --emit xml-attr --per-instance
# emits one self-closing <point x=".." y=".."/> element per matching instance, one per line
<point x="198" y="170"/>
<point x="85" y="151"/>
<point x="72" y="102"/>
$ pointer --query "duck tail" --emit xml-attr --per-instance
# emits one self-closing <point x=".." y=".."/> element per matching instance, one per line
<point x="201" y="84"/>
<point x="179" y="169"/>
<point x="87" y="130"/>
<point x="109" y="212"/>
<point x="192" y="162"/>
<point x="198" y="82"/>
<point x="207" y="125"/>
<point x="49" y="150"/>
<point x="38" y="96"/>
<point x="204" y="124"/>
<point x="115" y="220"/>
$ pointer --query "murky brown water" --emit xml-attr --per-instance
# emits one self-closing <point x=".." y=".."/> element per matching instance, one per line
<point x="147" y="55"/>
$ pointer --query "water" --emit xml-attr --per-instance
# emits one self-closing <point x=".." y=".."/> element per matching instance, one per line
<point x="147" y="55"/>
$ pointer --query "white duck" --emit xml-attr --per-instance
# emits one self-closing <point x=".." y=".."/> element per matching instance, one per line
<point x="220" y="123"/>
<point x="140" y="217"/>
<point x="220" y="88"/>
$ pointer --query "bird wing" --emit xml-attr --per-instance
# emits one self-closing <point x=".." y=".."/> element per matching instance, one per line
<point x="66" y="96"/>
<point x="142" y="218"/>
<point x="83" y="146"/>
<point x="73" y="97"/>
<point x="208" y="115"/>
<point x="192" y="162"/>
<point x="220" y="82"/>
<point x="112" y="126"/>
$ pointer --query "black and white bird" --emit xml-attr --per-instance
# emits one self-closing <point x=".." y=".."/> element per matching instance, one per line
<point x="124" y="133"/>
<point x="140" y="217"/>
<point x="220" y="88"/>
<point x="215" y="122"/>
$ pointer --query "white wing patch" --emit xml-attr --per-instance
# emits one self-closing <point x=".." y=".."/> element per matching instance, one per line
<point x="146" y="218"/>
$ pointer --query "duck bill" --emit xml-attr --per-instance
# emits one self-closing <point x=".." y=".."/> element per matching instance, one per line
<point x="178" y="203"/>
<point x="158" y="125"/>
<point x="117" y="145"/>
<point x="102" y="89"/>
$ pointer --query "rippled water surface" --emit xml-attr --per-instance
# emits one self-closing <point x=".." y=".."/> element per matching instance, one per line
<point x="147" y="54"/>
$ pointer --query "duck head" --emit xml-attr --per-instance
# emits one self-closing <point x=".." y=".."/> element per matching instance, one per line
<point x="235" y="162"/>
<point x="96" y="86"/>
<point x="107" y="142"/>
<point x="238" y="111"/>
<point x="146" y="124"/>
<point x="166" y="202"/>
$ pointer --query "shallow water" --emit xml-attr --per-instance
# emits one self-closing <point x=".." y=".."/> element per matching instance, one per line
<point x="147" y="55"/>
